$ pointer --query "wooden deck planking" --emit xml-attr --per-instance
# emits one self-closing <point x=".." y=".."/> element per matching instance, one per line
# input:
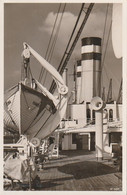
<point x="78" y="173"/>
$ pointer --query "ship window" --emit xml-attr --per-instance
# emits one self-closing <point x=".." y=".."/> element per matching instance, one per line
<point x="88" y="115"/>
<point x="110" y="115"/>
<point x="105" y="113"/>
<point x="74" y="138"/>
<point x="93" y="117"/>
<point x="93" y="114"/>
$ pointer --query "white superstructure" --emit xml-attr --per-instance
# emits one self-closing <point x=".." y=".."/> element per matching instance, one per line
<point x="80" y="131"/>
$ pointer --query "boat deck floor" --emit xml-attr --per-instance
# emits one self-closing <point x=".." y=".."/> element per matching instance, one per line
<point x="79" y="171"/>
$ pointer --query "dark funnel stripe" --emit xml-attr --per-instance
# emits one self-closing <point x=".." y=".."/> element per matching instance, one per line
<point x="91" y="56"/>
<point x="78" y="74"/>
<point x="91" y="41"/>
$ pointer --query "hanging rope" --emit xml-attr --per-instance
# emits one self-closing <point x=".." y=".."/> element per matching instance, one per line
<point x="106" y="45"/>
<point x="54" y="41"/>
<point x="52" y="32"/>
<point x="56" y="36"/>
<point x="40" y="77"/>
<point x="30" y="73"/>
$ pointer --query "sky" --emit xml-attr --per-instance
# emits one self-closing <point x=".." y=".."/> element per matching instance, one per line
<point x="33" y="23"/>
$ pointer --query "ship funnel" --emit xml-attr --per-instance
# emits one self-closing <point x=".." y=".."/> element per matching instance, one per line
<point x="91" y="68"/>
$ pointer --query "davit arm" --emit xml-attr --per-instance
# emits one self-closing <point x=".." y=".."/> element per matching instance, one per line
<point x="62" y="88"/>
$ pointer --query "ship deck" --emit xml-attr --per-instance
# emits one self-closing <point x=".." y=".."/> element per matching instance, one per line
<point x="79" y="171"/>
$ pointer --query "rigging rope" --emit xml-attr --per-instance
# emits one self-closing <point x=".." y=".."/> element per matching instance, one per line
<point x="41" y="73"/>
<point x="106" y="46"/>
<point x="105" y="25"/>
<point x="53" y="85"/>
<point x="105" y="53"/>
<point x="103" y="38"/>
<point x="71" y="36"/>
<point x="53" y="31"/>
<point x="54" y="42"/>
<point x="102" y="66"/>
<point x="56" y="36"/>
<point x="77" y="37"/>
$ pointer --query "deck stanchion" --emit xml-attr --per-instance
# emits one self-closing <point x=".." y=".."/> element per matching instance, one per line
<point x="97" y="104"/>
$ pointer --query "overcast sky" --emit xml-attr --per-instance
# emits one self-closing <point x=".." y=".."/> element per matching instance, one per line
<point x="33" y="24"/>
